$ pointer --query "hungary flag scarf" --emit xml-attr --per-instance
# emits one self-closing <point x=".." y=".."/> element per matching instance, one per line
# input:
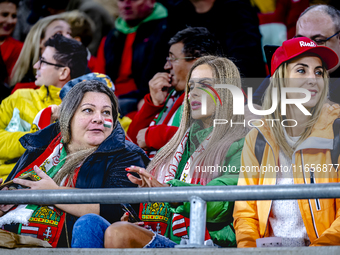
<point x="43" y="222"/>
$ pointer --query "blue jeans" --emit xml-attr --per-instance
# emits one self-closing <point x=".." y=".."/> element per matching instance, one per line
<point x="89" y="230"/>
<point x="159" y="241"/>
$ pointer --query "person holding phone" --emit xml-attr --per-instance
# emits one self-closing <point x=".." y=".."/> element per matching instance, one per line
<point x="185" y="160"/>
<point x="86" y="148"/>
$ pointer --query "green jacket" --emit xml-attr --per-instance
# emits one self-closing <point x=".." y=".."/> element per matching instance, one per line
<point x="219" y="214"/>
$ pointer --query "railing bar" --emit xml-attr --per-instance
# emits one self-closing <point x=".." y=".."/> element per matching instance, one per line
<point x="179" y="194"/>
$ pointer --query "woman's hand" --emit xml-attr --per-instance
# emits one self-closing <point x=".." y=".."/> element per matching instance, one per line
<point x="46" y="182"/>
<point x="125" y="217"/>
<point x="145" y="180"/>
<point x="4" y="208"/>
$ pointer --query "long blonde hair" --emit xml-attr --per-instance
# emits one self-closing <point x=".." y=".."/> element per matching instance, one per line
<point x="278" y="80"/>
<point x="30" y="52"/>
<point x="81" y="24"/>
<point x="224" y="72"/>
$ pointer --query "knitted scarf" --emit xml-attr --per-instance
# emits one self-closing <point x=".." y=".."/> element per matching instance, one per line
<point x="42" y="222"/>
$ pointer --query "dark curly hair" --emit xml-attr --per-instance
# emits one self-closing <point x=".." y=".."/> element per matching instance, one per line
<point x="198" y="42"/>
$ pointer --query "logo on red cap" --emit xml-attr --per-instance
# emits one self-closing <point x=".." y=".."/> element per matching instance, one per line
<point x="307" y="44"/>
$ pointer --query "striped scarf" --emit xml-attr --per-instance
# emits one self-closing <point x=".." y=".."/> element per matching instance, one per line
<point x="180" y="223"/>
<point x="42" y="222"/>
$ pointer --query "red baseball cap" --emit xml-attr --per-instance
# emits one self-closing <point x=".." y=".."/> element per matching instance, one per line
<point x="296" y="46"/>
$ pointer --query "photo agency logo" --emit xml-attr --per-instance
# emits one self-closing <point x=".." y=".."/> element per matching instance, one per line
<point x="238" y="104"/>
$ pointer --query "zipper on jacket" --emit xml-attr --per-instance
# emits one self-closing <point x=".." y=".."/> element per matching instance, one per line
<point x="312" y="181"/>
<point x="271" y="202"/>
<point x="310" y="206"/>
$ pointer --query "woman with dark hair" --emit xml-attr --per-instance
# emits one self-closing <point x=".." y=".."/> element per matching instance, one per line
<point x="85" y="149"/>
<point x="9" y="47"/>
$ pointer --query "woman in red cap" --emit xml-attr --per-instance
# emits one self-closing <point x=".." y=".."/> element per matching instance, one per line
<point x="295" y="148"/>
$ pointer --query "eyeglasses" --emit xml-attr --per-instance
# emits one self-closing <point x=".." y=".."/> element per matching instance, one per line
<point x="322" y="41"/>
<point x="48" y="63"/>
<point x="173" y="59"/>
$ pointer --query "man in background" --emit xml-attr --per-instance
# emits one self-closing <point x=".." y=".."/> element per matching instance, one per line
<point x="62" y="60"/>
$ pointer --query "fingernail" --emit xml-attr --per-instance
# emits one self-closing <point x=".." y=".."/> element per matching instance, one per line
<point x="150" y="178"/>
<point x="126" y="213"/>
<point x="128" y="174"/>
<point x="127" y="169"/>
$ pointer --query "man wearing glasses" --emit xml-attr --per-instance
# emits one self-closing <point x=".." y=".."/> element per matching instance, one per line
<point x="158" y="119"/>
<point x="320" y="23"/>
<point x="62" y="60"/>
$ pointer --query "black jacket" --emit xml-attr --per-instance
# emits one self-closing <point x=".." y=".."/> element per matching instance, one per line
<point x="105" y="168"/>
<point x="235" y="25"/>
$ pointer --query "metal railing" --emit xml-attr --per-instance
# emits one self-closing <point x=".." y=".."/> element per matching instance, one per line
<point x="197" y="196"/>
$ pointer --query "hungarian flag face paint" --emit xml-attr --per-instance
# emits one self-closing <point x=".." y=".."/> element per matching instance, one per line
<point x="108" y="123"/>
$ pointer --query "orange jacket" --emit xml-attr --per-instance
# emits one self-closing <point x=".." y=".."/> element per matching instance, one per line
<point x="321" y="217"/>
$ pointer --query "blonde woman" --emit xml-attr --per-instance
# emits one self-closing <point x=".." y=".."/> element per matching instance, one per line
<point x="300" y="150"/>
<point x="81" y="24"/>
<point x="23" y="72"/>
<point x="82" y="28"/>
<point x="198" y="154"/>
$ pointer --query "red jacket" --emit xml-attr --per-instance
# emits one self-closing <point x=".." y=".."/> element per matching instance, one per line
<point x="10" y="51"/>
<point x="156" y="136"/>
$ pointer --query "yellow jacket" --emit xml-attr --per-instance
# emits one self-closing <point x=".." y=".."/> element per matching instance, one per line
<point x="28" y="102"/>
<point x="320" y="217"/>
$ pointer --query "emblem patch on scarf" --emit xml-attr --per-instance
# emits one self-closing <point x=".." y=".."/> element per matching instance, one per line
<point x="156" y="216"/>
<point x="45" y="223"/>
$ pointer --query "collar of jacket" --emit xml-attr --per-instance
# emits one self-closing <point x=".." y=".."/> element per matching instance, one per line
<point x="37" y="140"/>
<point x="159" y="12"/>
<point x="197" y="135"/>
<point x="322" y="134"/>
<point x="48" y="91"/>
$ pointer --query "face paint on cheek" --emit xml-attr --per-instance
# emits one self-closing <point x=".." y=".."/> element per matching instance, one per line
<point x="212" y="97"/>
<point x="107" y="123"/>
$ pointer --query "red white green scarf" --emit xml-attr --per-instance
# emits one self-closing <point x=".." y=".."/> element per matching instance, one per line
<point x="43" y="222"/>
<point x="180" y="223"/>
<point x="160" y="117"/>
